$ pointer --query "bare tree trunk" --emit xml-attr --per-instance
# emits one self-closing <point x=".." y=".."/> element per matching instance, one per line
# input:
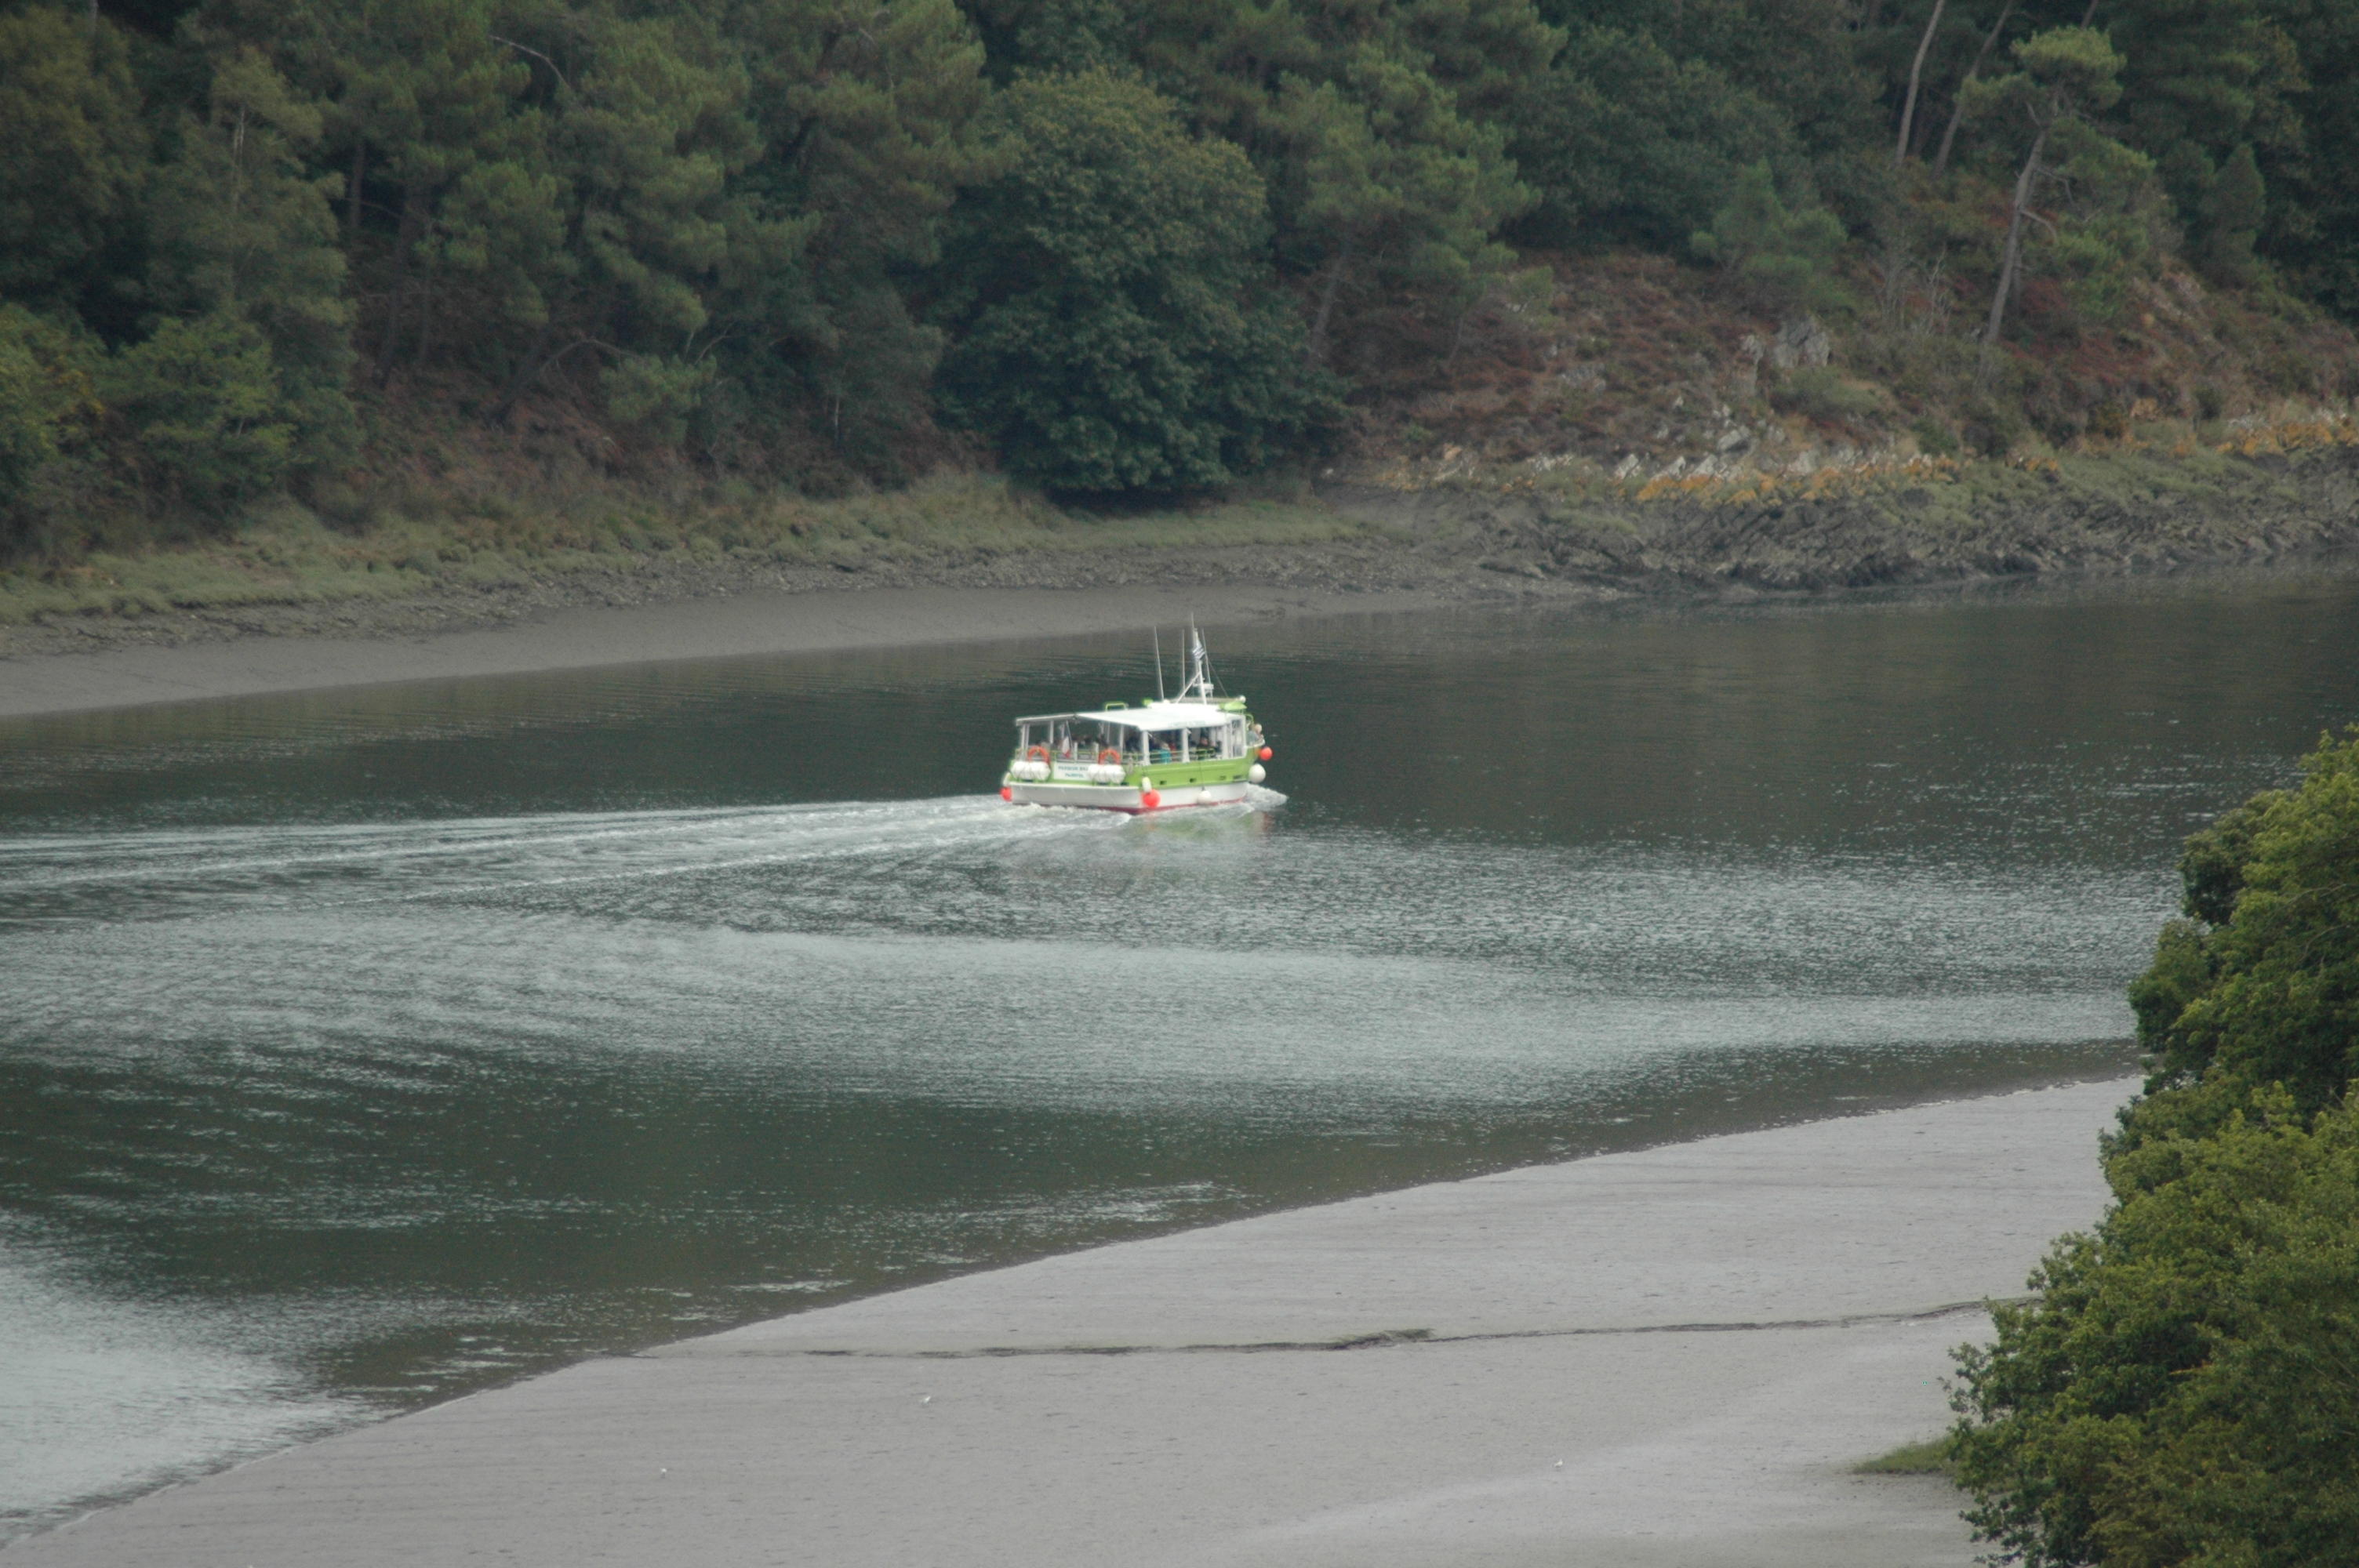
<point x="1327" y="302"/>
<point x="236" y="193"/>
<point x="2013" y="244"/>
<point x="1958" y="111"/>
<point x="352" y="192"/>
<point x="1458" y="334"/>
<point x="2089" y="16"/>
<point x="527" y="368"/>
<point x="413" y="211"/>
<point x="1916" y="74"/>
<point x="536" y="360"/>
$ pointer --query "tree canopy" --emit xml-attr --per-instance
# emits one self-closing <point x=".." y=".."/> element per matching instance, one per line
<point x="719" y="226"/>
<point x="1113" y="329"/>
<point x="2179" y="1391"/>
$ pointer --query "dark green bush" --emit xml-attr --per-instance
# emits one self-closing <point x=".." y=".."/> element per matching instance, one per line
<point x="1935" y="438"/>
<point x="28" y="422"/>
<point x="1780" y="254"/>
<point x="1625" y="144"/>
<point x="1823" y="393"/>
<point x="2181" y="1391"/>
<point x="1113" y="330"/>
<point x="1990" y="427"/>
<point x="47" y="406"/>
<point x="2263" y="988"/>
<point x="203" y="397"/>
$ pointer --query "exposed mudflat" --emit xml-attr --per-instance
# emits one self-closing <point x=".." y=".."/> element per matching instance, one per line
<point x="1372" y="565"/>
<point x="1444" y="545"/>
<point x="725" y="622"/>
<point x="1672" y="1357"/>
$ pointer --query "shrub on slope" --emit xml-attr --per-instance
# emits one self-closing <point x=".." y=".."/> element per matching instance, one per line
<point x="2184" y="1389"/>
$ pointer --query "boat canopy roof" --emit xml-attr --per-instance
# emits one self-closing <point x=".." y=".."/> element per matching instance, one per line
<point x="1154" y="715"/>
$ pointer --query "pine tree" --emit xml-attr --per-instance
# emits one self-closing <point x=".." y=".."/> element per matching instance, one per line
<point x="1112" y="334"/>
<point x="75" y="151"/>
<point x="242" y="231"/>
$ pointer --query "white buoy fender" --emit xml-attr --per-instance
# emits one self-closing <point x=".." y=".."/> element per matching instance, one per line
<point x="1256" y="773"/>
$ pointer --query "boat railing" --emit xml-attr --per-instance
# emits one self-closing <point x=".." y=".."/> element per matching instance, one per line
<point x="1158" y="756"/>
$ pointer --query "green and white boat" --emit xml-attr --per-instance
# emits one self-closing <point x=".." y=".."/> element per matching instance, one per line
<point x="1201" y="748"/>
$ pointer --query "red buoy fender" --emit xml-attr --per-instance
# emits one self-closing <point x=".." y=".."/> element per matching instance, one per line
<point x="1265" y="753"/>
<point x="1007" y="791"/>
<point x="1150" y="799"/>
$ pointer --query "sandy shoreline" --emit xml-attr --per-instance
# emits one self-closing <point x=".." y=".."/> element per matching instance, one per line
<point x="740" y="623"/>
<point x="1670" y="1357"/>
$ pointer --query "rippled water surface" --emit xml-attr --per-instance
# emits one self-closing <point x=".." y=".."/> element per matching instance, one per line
<point x="363" y="1048"/>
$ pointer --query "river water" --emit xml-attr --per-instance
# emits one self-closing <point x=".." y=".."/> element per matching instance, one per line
<point x="361" y="1049"/>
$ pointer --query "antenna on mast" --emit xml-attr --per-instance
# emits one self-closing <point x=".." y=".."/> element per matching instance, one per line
<point x="1158" y="664"/>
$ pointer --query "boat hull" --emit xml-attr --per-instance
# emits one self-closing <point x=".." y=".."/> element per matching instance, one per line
<point x="1125" y="797"/>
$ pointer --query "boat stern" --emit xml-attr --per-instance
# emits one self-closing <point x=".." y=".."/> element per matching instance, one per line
<point x="1135" y="797"/>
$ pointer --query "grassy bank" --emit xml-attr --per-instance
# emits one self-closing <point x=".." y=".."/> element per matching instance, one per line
<point x="423" y="540"/>
<point x="2153" y="501"/>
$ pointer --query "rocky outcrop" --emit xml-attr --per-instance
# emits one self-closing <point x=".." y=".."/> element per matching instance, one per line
<point x="1984" y="521"/>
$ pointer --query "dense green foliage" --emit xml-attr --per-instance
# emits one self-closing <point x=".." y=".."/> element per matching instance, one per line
<point x="1114" y="330"/>
<point x="1783" y="259"/>
<point x="2260" y="984"/>
<point x="1622" y="142"/>
<point x="2185" y="1387"/>
<point x="2181" y="1392"/>
<point x="717" y="229"/>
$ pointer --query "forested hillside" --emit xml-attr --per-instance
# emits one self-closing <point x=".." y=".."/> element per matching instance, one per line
<point x="268" y="248"/>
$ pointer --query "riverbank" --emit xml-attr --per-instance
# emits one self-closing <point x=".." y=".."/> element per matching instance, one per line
<point x="296" y="606"/>
<point x="722" y="625"/>
<point x="2286" y="494"/>
<point x="1669" y="1357"/>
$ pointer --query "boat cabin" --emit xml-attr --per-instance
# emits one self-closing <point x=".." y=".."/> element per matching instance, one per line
<point x="1157" y="734"/>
